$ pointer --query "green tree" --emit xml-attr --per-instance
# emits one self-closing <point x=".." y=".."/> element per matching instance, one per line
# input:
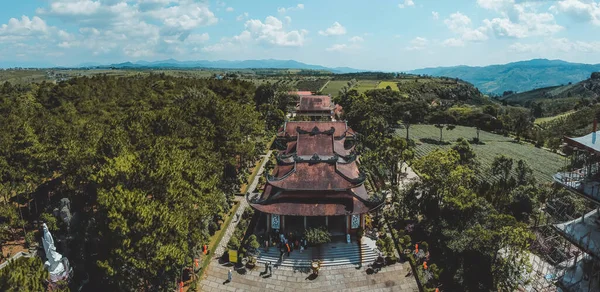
<point x="465" y="151"/>
<point x="24" y="274"/>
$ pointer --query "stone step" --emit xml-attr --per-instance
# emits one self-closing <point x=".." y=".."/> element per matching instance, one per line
<point x="330" y="255"/>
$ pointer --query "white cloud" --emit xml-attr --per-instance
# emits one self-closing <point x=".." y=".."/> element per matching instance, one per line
<point x="407" y="3"/>
<point x="417" y="44"/>
<point x="242" y="16"/>
<point x="197" y="38"/>
<point x="495" y="4"/>
<point x="337" y="48"/>
<point x="453" y="42"/>
<point x="435" y="15"/>
<point x="579" y="10"/>
<point x="556" y="45"/>
<point x="460" y="24"/>
<point x="519" y="19"/>
<point x="356" y="39"/>
<point x="184" y="17"/>
<point x="272" y="32"/>
<point x="24" y="27"/>
<point x="335" y="29"/>
<point x="288" y="20"/>
<point x="282" y="10"/>
<point x="229" y="9"/>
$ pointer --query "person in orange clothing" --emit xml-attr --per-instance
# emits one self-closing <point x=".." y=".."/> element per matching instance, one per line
<point x="288" y="249"/>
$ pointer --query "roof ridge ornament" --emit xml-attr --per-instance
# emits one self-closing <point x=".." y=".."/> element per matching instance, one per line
<point x="315" y="131"/>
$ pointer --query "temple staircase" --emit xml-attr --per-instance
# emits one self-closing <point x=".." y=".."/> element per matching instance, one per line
<point x="331" y="254"/>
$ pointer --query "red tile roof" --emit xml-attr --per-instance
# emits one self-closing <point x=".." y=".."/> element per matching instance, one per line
<point x="289" y="128"/>
<point x="305" y="187"/>
<point x="318" y="207"/>
<point x="301" y="93"/>
<point x="319" y="144"/>
<point x="315" y="103"/>
<point x="318" y="176"/>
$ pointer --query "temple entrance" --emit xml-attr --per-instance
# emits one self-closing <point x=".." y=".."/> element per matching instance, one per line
<point x="337" y="225"/>
<point x="315" y="221"/>
<point x="294" y="224"/>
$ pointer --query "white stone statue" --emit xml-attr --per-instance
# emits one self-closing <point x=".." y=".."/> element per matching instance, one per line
<point x="54" y="264"/>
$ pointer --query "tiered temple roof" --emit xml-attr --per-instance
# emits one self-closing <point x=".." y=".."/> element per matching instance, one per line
<point x="314" y="104"/>
<point x="315" y="175"/>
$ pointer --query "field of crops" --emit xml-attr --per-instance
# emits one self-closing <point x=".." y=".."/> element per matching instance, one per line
<point x="548" y="119"/>
<point x="364" y="85"/>
<point x="385" y="84"/>
<point x="311" y="85"/>
<point x="334" y="86"/>
<point x="543" y="163"/>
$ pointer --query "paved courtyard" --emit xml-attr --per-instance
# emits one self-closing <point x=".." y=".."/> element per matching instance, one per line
<point x="348" y="278"/>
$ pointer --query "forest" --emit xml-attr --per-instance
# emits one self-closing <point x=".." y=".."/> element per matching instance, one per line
<point x="149" y="165"/>
<point x="133" y="174"/>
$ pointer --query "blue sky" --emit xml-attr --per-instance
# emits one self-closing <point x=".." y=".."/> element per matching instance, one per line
<point x="383" y="34"/>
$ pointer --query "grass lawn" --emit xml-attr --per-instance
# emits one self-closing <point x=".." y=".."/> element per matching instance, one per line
<point x="364" y="85"/>
<point x="543" y="162"/>
<point x="548" y="119"/>
<point x="385" y="84"/>
<point x="334" y="86"/>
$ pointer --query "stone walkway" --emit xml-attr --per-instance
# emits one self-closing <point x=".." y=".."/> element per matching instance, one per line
<point x="390" y="278"/>
<point x="243" y="204"/>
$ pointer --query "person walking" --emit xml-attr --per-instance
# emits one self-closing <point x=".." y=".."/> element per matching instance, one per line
<point x="267" y="245"/>
<point x="281" y="251"/>
<point x="266" y="269"/>
<point x="270" y="269"/>
<point x="229" y="276"/>
<point x="288" y="249"/>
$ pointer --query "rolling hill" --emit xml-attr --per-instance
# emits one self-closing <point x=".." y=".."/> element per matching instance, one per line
<point x="224" y="64"/>
<point x="589" y="88"/>
<point x="518" y="76"/>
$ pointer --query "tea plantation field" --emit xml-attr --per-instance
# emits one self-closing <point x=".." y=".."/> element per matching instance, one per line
<point x="543" y="163"/>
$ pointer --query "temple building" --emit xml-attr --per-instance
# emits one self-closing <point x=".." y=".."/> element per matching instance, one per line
<point x="315" y="106"/>
<point x="316" y="181"/>
<point x="581" y="271"/>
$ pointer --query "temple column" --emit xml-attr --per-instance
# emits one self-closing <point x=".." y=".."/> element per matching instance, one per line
<point x="347" y="226"/>
<point x="304" y="222"/>
<point x="362" y="221"/>
<point x="282" y="223"/>
<point x="327" y="221"/>
<point x="268" y="223"/>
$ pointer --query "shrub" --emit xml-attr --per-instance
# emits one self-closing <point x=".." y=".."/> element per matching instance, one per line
<point x="29" y="239"/>
<point x="234" y="243"/>
<point x="252" y="242"/>
<point x="50" y="221"/>
<point x="386" y="246"/>
<point x="317" y="235"/>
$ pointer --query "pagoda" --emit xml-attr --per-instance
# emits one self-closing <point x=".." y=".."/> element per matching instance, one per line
<point x="582" y="231"/>
<point x="315" y="106"/>
<point x="316" y="181"/>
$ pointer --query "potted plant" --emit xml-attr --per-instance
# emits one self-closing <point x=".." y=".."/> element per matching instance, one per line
<point x="251" y="263"/>
<point x="315" y="236"/>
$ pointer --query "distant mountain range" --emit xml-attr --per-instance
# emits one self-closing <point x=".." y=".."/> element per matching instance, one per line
<point x="223" y="64"/>
<point x="518" y="76"/>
